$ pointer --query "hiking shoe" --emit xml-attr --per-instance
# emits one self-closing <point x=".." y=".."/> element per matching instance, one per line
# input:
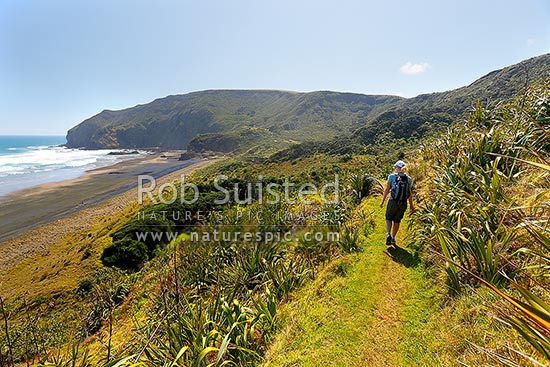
<point x="388" y="240"/>
<point x="393" y="243"/>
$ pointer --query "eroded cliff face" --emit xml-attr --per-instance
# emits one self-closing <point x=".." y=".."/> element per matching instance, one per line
<point x="121" y="129"/>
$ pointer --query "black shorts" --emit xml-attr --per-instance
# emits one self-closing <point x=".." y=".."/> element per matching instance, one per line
<point x="395" y="211"/>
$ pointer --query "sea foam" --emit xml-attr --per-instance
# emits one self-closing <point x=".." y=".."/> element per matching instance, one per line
<point x="25" y="165"/>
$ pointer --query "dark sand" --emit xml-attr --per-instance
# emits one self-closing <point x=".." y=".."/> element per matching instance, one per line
<point x="26" y="209"/>
<point x="42" y="218"/>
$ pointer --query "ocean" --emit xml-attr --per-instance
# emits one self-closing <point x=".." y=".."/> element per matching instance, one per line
<point x="26" y="161"/>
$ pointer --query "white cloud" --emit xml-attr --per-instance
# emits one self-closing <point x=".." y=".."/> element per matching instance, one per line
<point x="411" y="69"/>
<point x="530" y="41"/>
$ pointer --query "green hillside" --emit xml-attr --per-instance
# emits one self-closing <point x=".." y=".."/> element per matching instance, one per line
<point x="428" y="112"/>
<point x="269" y="121"/>
<point x="250" y="116"/>
<point x="467" y="284"/>
<point x="403" y="127"/>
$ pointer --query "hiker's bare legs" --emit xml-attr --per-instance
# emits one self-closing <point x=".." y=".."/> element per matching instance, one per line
<point x="388" y="226"/>
<point x="394" y="229"/>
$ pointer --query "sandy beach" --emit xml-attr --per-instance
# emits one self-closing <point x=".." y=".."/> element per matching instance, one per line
<point x="32" y="219"/>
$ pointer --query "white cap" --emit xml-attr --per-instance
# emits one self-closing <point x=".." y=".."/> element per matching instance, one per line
<point x="399" y="164"/>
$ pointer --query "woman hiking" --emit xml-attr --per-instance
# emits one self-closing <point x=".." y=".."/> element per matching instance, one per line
<point x="400" y="187"/>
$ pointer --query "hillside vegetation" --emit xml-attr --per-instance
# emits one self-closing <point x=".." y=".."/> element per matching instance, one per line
<point x="405" y="125"/>
<point x="468" y="284"/>
<point x="221" y="296"/>
<point x="428" y="112"/>
<point x="262" y="122"/>
<point x="472" y="288"/>
<point x="221" y="116"/>
<point x="484" y="217"/>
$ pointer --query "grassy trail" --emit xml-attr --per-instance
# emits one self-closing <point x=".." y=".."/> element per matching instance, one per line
<point x="359" y="311"/>
<point x="382" y="334"/>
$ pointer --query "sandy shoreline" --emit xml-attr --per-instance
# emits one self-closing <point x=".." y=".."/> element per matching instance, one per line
<point x="34" y="218"/>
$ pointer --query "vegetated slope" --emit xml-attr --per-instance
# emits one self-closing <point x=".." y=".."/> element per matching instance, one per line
<point x="230" y="118"/>
<point x="400" y="127"/>
<point x="204" y="303"/>
<point x="485" y="213"/>
<point x="426" y="112"/>
<point x="210" y="295"/>
<point x="482" y="219"/>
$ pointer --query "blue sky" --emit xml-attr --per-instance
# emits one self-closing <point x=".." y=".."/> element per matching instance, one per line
<point x="64" y="61"/>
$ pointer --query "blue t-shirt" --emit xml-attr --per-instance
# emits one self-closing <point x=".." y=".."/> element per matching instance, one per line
<point x="392" y="179"/>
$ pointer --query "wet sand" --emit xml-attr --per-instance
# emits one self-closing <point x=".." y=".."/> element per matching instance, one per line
<point x="28" y="208"/>
<point x="34" y="218"/>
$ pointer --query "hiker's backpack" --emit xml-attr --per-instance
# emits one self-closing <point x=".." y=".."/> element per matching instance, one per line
<point x="400" y="188"/>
